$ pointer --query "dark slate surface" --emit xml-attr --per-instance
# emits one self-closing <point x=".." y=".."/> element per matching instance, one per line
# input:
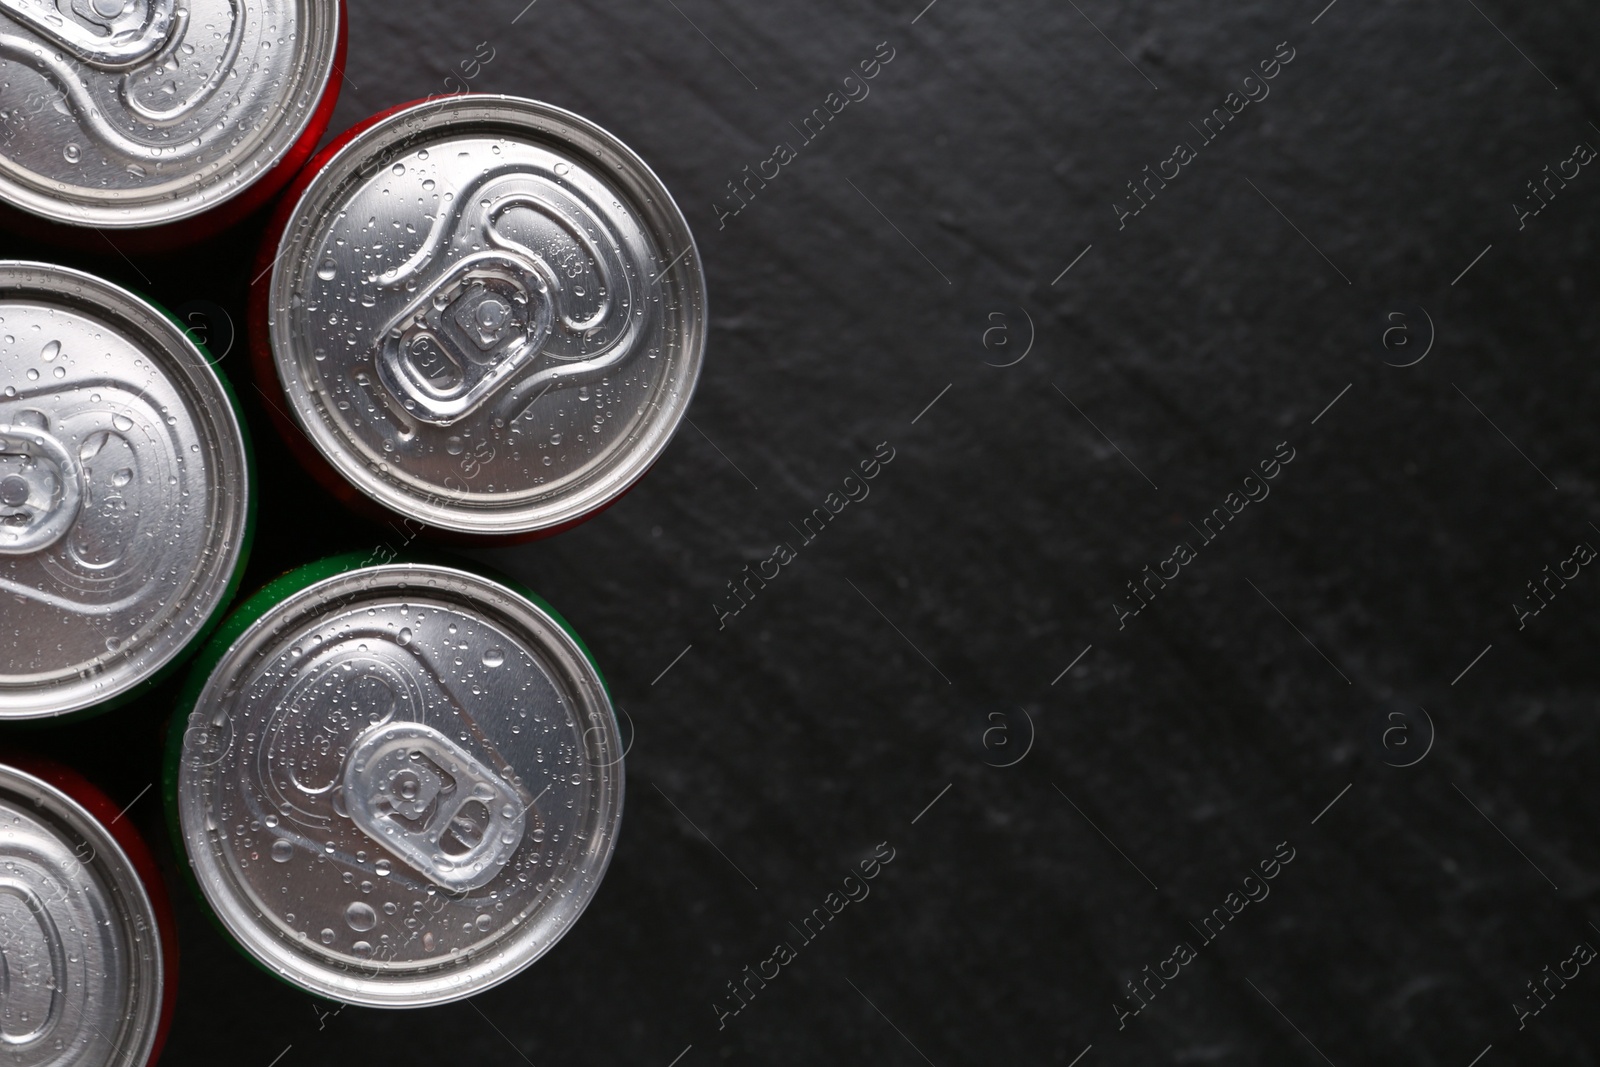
<point x="920" y="641"/>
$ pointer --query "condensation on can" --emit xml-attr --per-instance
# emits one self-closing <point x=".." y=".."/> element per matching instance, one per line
<point x="90" y="954"/>
<point x="125" y="502"/>
<point x="486" y="314"/>
<point x="170" y="118"/>
<point x="396" y="785"/>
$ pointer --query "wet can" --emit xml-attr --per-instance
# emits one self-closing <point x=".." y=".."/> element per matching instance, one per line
<point x="89" y="952"/>
<point x="125" y="502"/>
<point x="486" y="314"/>
<point x="123" y="115"/>
<point x="396" y="785"/>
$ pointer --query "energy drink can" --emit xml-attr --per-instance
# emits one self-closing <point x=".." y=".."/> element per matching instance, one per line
<point x="125" y="501"/>
<point x="129" y="114"/>
<point x="396" y="785"/>
<point x="487" y="315"/>
<point x="89" y="952"/>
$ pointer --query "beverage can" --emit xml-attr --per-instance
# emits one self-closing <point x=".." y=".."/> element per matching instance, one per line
<point x="125" y="500"/>
<point x="89" y="951"/>
<point x="130" y="114"/>
<point x="485" y="314"/>
<point x="396" y="785"/>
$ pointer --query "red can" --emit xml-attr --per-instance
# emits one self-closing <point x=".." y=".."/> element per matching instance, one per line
<point x="90" y="952"/>
<point x="156" y="122"/>
<point x="485" y="315"/>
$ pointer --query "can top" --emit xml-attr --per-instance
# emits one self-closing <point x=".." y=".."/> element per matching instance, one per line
<point x="128" y="113"/>
<point x="399" y="785"/>
<point x="488" y="314"/>
<point x="82" y="951"/>
<point x="123" y="491"/>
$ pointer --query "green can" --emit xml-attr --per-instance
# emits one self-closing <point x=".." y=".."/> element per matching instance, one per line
<point x="396" y="785"/>
<point x="125" y="498"/>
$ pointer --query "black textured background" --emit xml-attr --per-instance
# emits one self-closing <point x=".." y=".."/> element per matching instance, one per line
<point x="921" y="640"/>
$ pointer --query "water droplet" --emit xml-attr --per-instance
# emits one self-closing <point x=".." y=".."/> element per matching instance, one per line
<point x="398" y="169"/>
<point x="33" y="374"/>
<point x="427" y="185"/>
<point x="493" y="657"/>
<point x="381" y="868"/>
<point x="404" y="636"/>
<point x="50" y="351"/>
<point x="361" y="950"/>
<point x="483" y="922"/>
<point x="453" y="445"/>
<point x="122" y="477"/>
<point x="282" y="851"/>
<point x="122" y="422"/>
<point x="72" y="153"/>
<point x="328" y="270"/>
<point x="327" y="936"/>
<point x="360" y="916"/>
<point x="562" y="169"/>
<point x="60" y="372"/>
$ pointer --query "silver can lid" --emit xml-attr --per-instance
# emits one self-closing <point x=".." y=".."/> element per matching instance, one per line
<point x="400" y="785"/>
<point x="488" y="314"/>
<point x="81" y="950"/>
<point x="123" y="491"/>
<point x="124" y="113"/>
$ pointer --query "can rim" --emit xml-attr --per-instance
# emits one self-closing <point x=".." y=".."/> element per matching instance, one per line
<point x="280" y="600"/>
<point x="348" y="159"/>
<point x="190" y="365"/>
<point x="127" y="888"/>
<point x="167" y="210"/>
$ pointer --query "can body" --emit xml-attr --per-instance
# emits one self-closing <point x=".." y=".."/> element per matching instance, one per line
<point x="486" y="315"/>
<point x="125" y="503"/>
<point x="158" y="118"/>
<point x="395" y="785"/>
<point x="90" y="951"/>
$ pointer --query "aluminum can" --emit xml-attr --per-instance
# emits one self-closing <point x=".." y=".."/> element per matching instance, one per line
<point x="396" y="785"/>
<point x="486" y="315"/>
<point x="89" y="952"/>
<point x="124" y="114"/>
<point x="125" y="503"/>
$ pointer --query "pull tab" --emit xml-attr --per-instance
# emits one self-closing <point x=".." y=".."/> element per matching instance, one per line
<point x="454" y="343"/>
<point x="113" y="34"/>
<point x="433" y="804"/>
<point x="40" y="490"/>
<point x="495" y="314"/>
